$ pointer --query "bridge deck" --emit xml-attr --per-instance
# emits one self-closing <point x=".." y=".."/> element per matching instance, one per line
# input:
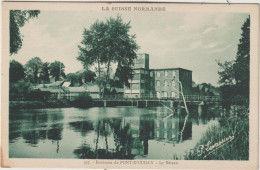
<point x="188" y="98"/>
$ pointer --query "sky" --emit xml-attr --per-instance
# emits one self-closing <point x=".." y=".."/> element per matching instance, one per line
<point x="193" y="41"/>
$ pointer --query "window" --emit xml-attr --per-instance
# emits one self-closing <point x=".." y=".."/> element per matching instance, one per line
<point x="136" y="77"/>
<point x="151" y="74"/>
<point x="158" y="74"/>
<point x="165" y="83"/>
<point x="166" y="73"/>
<point x="173" y="94"/>
<point x="158" y="95"/>
<point x="165" y="94"/>
<point x="173" y="83"/>
<point x="135" y="86"/>
<point x="158" y="83"/>
<point x="173" y="73"/>
<point x="137" y="71"/>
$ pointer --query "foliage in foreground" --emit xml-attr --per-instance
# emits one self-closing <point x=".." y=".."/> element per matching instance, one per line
<point x="17" y="20"/>
<point x="236" y="126"/>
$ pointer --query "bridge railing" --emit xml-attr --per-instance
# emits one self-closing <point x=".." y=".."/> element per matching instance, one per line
<point x="154" y="97"/>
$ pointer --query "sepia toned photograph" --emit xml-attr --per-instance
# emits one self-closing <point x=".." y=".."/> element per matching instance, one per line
<point x="139" y="84"/>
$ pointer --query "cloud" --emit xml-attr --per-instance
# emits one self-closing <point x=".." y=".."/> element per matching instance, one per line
<point x="209" y="29"/>
<point x="194" y="45"/>
<point x="211" y="45"/>
<point x="221" y="49"/>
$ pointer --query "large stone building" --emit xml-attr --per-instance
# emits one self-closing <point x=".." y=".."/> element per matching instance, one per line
<point x="160" y="83"/>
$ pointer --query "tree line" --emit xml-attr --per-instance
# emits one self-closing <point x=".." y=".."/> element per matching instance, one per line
<point x="35" y="71"/>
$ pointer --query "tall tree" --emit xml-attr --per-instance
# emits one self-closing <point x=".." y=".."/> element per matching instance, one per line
<point x="16" y="71"/>
<point x="241" y="65"/>
<point x="73" y="78"/>
<point x="234" y="75"/>
<point x="45" y="73"/>
<point x="33" y="67"/>
<point x="107" y="43"/>
<point x="88" y="75"/>
<point x="57" y="70"/>
<point x="226" y="73"/>
<point x="77" y="78"/>
<point x="17" y="20"/>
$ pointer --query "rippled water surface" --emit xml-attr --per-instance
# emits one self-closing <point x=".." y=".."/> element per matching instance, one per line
<point x="104" y="133"/>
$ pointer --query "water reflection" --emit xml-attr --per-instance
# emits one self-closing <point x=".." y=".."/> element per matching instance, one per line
<point x="104" y="129"/>
<point x="35" y="127"/>
<point x="126" y="133"/>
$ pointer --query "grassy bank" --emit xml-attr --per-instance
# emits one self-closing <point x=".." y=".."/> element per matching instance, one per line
<point x="38" y="104"/>
<point x="227" y="141"/>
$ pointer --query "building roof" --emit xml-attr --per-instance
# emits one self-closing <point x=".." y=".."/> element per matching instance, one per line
<point x="92" y="88"/>
<point x="51" y="90"/>
<point x="77" y="89"/>
<point x="178" y="68"/>
<point x="66" y="84"/>
<point x="57" y="83"/>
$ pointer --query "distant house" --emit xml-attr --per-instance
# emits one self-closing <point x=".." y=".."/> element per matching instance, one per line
<point x="74" y="92"/>
<point x="55" y="88"/>
<point x="92" y="89"/>
<point x="204" y="90"/>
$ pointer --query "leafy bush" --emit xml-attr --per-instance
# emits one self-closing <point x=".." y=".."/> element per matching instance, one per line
<point x="237" y="149"/>
<point x="20" y="90"/>
<point x="83" y="101"/>
<point x="240" y="100"/>
<point x="38" y="95"/>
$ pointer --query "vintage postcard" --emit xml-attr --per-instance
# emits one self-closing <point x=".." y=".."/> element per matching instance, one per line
<point x="130" y="85"/>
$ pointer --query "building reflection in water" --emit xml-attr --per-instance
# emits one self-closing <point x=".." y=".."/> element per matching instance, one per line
<point x="152" y="127"/>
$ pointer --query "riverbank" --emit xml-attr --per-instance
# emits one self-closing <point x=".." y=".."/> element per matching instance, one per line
<point x="227" y="141"/>
<point x="39" y="104"/>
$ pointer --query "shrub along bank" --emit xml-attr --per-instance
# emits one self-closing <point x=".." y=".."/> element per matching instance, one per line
<point x="38" y="104"/>
<point x="227" y="141"/>
<point x="83" y="101"/>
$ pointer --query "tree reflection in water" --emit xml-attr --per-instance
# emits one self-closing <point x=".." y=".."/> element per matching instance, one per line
<point x="42" y="126"/>
<point x="84" y="127"/>
<point x="122" y="138"/>
<point x="146" y="130"/>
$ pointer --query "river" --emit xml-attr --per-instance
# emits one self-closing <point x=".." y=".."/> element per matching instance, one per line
<point x="104" y="133"/>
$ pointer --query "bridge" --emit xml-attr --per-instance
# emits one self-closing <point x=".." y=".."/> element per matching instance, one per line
<point x="188" y="98"/>
<point x="145" y="101"/>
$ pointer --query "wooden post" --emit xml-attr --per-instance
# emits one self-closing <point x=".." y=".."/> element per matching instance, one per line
<point x="146" y="103"/>
<point x="201" y="108"/>
<point x="105" y="103"/>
